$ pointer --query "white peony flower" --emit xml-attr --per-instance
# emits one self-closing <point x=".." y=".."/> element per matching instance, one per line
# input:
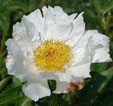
<point x="53" y="46"/>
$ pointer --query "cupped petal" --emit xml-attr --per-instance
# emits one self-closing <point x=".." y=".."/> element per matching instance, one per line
<point x="35" y="91"/>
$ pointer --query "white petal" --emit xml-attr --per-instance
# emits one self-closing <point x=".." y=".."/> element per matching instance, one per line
<point x="101" y="55"/>
<point x="72" y="17"/>
<point x="99" y="46"/>
<point x="80" y="70"/>
<point x="80" y="56"/>
<point x="63" y="77"/>
<point x="31" y="29"/>
<point x="81" y="60"/>
<point x="77" y="79"/>
<point x="55" y="23"/>
<point x="34" y="24"/>
<point x="35" y="91"/>
<point x="36" y="19"/>
<point x="19" y="31"/>
<point x="61" y="87"/>
<point x="26" y="35"/>
<point x="55" y="15"/>
<point x="78" y="30"/>
<point x="58" y="31"/>
<point x="15" y="61"/>
<point x="25" y="31"/>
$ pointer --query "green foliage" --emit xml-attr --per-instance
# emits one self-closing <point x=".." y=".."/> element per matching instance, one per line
<point x="97" y="91"/>
<point x="107" y="6"/>
<point x="4" y="81"/>
<point x="90" y="89"/>
<point x="7" y="7"/>
<point x="10" y="95"/>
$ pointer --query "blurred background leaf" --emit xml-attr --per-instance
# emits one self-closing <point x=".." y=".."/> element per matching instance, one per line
<point x="10" y="95"/>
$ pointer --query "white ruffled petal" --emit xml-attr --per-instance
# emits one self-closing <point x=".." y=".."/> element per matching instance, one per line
<point x="55" y="23"/>
<point x="101" y="55"/>
<point x="36" y="19"/>
<point x="31" y="30"/>
<point x="35" y="91"/>
<point x="14" y="63"/>
<point x="26" y="36"/>
<point x="25" y="31"/>
<point x="99" y="45"/>
<point x="55" y="15"/>
<point x="77" y="32"/>
<point x="19" y="31"/>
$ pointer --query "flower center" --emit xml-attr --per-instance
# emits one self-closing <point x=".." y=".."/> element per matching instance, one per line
<point x="52" y="55"/>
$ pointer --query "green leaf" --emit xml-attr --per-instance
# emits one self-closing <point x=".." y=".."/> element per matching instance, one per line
<point x="105" y="99"/>
<point x="52" y="85"/>
<point x="18" y="15"/>
<point x="108" y="5"/>
<point x="99" y="67"/>
<point x="109" y="81"/>
<point x="24" y="101"/>
<point x="109" y="75"/>
<point x="16" y="82"/>
<point x="91" y="19"/>
<point x="90" y="89"/>
<point x="10" y="95"/>
<point x="3" y="82"/>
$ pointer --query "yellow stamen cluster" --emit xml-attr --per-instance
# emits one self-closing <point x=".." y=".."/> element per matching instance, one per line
<point x="52" y="55"/>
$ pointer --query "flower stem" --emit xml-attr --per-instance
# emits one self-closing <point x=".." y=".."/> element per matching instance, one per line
<point x="55" y="100"/>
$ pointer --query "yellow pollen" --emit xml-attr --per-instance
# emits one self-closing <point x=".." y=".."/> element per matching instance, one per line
<point x="52" y="55"/>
